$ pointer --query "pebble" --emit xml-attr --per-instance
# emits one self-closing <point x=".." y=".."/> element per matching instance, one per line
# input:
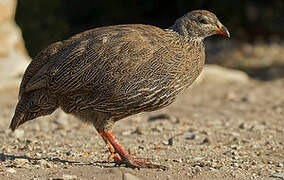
<point x="235" y="147"/>
<point x="8" y="150"/>
<point x="38" y="154"/>
<point x="242" y="126"/>
<point x="235" y="157"/>
<point x="125" y="133"/>
<point x="197" y="169"/>
<point x="280" y="176"/>
<point x="128" y="176"/>
<point x="171" y="141"/>
<point x="279" y="165"/>
<point x="43" y="162"/>
<point x="269" y="162"/>
<point x="165" y="142"/>
<point x="69" y="153"/>
<point x="254" y="162"/>
<point x="177" y="160"/>
<point x="138" y="131"/>
<point x="21" y="161"/>
<point x="69" y="177"/>
<point x="158" y="129"/>
<point x="206" y="141"/>
<point x="11" y="170"/>
<point x="190" y="136"/>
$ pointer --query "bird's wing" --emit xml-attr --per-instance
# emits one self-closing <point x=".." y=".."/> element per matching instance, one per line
<point x="98" y="60"/>
<point x="36" y="65"/>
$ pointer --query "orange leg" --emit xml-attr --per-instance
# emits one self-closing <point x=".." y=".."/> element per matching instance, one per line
<point x="113" y="153"/>
<point x="121" y="156"/>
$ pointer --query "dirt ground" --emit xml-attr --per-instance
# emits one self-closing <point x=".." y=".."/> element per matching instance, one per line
<point x="213" y="131"/>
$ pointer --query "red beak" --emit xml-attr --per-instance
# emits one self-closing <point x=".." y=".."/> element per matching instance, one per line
<point x="224" y="31"/>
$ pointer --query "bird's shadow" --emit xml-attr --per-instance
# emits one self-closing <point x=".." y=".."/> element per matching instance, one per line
<point x="103" y="164"/>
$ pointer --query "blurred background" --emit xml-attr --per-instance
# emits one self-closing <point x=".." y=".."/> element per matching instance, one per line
<point x="43" y="22"/>
<point x="256" y="27"/>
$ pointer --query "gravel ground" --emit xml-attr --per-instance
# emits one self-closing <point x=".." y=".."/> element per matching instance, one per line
<point x="213" y="131"/>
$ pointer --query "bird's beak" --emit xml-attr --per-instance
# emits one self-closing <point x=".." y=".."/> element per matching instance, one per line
<point x="222" y="30"/>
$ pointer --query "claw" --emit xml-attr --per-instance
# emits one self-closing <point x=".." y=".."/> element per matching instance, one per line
<point x="120" y="155"/>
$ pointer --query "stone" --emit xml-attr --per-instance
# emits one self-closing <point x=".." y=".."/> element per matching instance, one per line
<point x="218" y="74"/>
<point x="21" y="161"/>
<point x="11" y="170"/>
<point x="276" y="175"/>
<point x="69" y="177"/>
<point x="13" y="55"/>
<point x="44" y="163"/>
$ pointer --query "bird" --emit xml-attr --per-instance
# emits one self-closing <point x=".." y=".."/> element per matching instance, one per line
<point x="108" y="73"/>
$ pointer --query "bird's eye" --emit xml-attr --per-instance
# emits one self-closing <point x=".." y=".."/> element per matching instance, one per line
<point x="203" y="21"/>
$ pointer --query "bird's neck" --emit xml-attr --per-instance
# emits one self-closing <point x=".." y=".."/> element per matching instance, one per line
<point x="185" y="32"/>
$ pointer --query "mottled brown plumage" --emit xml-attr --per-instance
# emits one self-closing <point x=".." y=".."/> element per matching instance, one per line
<point x="108" y="73"/>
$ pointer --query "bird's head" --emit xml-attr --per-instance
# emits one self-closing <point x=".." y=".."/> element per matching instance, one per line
<point x="199" y="24"/>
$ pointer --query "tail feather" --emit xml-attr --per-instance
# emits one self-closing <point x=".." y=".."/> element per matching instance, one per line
<point x="30" y="106"/>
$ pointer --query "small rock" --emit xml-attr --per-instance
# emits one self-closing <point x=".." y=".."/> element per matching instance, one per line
<point x="48" y="165"/>
<point x="254" y="163"/>
<point x="280" y="176"/>
<point x="235" y="157"/>
<point x="206" y="141"/>
<point x="8" y="150"/>
<point x="69" y="177"/>
<point x="279" y="165"/>
<point x="11" y="170"/>
<point x="218" y="74"/>
<point x="235" y="147"/>
<point x="21" y="161"/>
<point x="269" y="162"/>
<point x="38" y="154"/>
<point x="165" y="142"/>
<point x="197" y="169"/>
<point x="242" y="126"/>
<point x="43" y="162"/>
<point x="171" y="141"/>
<point x="158" y="129"/>
<point x="125" y="133"/>
<point x="69" y="153"/>
<point x="138" y="131"/>
<point x="190" y="136"/>
<point x="128" y="176"/>
<point x="235" y="134"/>
<point x="177" y="160"/>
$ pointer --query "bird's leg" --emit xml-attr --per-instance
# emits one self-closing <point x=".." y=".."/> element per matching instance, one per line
<point x="113" y="153"/>
<point x="124" y="156"/>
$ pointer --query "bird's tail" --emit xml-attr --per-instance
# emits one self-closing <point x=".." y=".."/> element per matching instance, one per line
<point x="32" y="105"/>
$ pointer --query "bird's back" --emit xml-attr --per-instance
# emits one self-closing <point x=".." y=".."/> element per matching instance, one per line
<point x="125" y="69"/>
<point x="122" y="70"/>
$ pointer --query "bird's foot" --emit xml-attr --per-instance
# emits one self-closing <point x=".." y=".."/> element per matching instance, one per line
<point x="115" y="156"/>
<point x="139" y="163"/>
<point x="121" y="156"/>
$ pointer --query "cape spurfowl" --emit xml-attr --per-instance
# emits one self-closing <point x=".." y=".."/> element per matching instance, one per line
<point x="108" y="73"/>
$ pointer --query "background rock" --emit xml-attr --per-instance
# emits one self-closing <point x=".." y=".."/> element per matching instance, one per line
<point x="218" y="74"/>
<point x="13" y="55"/>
